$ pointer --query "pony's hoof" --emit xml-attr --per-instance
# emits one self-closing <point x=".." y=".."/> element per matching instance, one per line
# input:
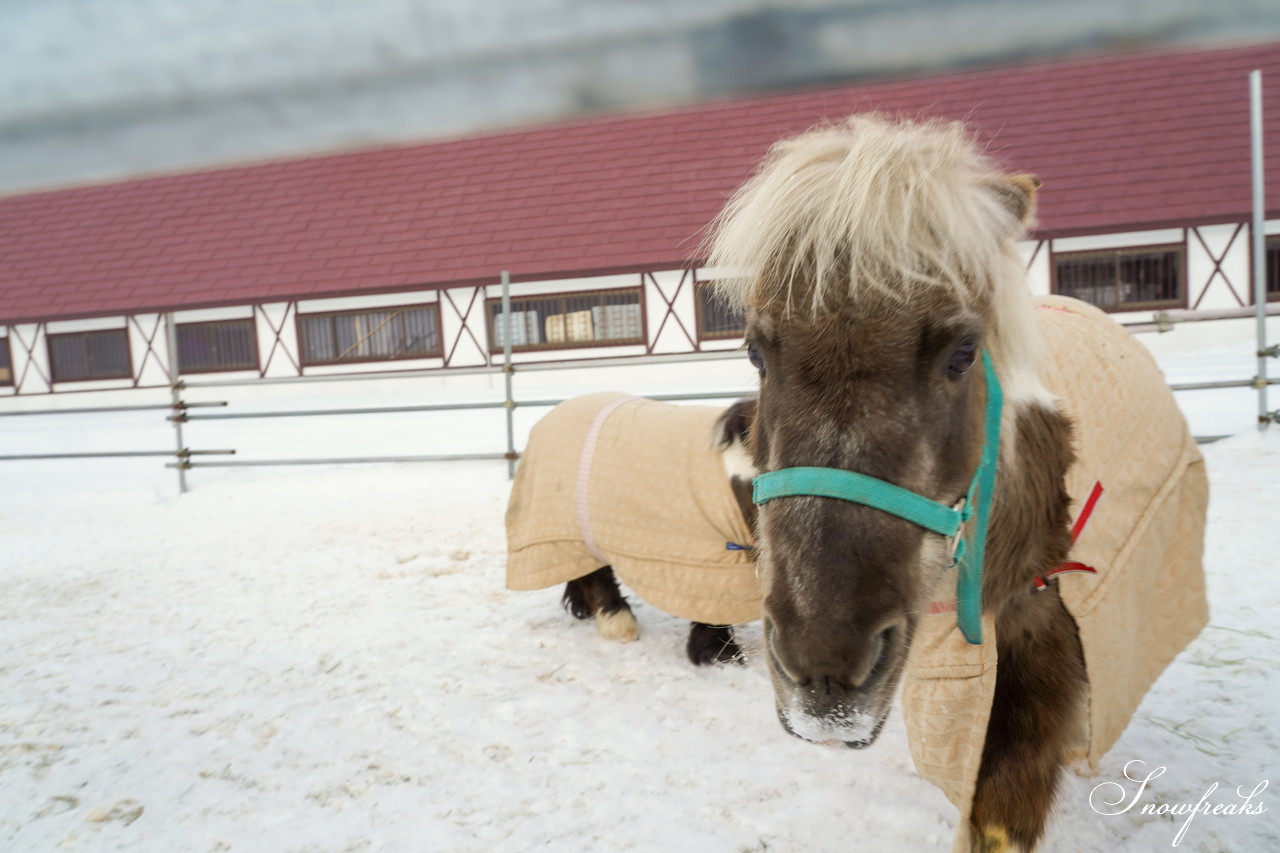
<point x="619" y="626"/>
<point x="724" y="653"/>
<point x="992" y="839"/>
<point x="710" y="644"/>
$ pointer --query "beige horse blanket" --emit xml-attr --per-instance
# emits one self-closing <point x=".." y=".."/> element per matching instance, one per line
<point x="1145" y="538"/>
<point x="638" y="485"/>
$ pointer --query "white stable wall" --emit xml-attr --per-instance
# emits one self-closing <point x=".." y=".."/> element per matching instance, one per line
<point x="1221" y="285"/>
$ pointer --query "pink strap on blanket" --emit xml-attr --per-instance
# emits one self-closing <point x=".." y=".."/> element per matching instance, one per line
<point x="582" y="495"/>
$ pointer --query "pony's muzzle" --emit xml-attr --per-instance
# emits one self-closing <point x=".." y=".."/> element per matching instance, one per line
<point x="814" y="672"/>
<point x="836" y="700"/>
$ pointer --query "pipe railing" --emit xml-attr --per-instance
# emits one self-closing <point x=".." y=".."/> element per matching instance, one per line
<point x="1265" y="415"/>
<point x="1225" y="383"/>
<point x="1166" y="320"/>
<point x="176" y="406"/>
<point x="185" y="461"/>
<point x="181" y="414"/>
<point x="181" y="453"/>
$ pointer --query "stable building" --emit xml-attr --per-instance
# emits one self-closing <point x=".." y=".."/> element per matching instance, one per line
<point x="392" y="258"/>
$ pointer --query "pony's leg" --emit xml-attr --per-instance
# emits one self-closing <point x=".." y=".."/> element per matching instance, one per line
<point x="597" y="596"/>
<point x="574" y="598"/>
<point x="1040" y="686"/>
<point x="710" y="644"/>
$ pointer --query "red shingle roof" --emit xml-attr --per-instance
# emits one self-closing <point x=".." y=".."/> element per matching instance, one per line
<point x="1122" y="143"/>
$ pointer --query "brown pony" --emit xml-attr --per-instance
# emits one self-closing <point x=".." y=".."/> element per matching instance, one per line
<point x="876" y="261"/>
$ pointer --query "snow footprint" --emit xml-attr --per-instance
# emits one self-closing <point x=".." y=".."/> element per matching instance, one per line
<point x="125" y="811"/>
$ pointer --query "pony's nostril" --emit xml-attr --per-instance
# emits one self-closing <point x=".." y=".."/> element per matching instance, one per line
<point x="881" y="654"/>
<point x="779" y="668"/>
<point x="790" y="677"/>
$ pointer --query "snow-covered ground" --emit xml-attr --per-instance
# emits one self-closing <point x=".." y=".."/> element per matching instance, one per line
<point x="325" y="659"/>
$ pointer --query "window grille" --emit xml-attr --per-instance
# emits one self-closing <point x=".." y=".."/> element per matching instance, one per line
<point x="80" y="356"/>
<point x="717" y="320"/>
<point x="218" y="346"/>
<point x="564" y="320"/>
<point x="378" y="334"/>
<point x="1123" y="279"/>
<point x="6" y="363"/>
<point x="1273" y="269"/>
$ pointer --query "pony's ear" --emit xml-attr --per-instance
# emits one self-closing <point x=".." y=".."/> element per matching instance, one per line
<point x="1017" y="193"/>
<point x="734" y="424"/>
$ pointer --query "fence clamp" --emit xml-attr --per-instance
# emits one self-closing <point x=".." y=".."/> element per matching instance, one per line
<point x="1164" y="323"/>
<point x="1272" y="351"/>
<point x="179" y="415"/>
<point x="184" y="459"/>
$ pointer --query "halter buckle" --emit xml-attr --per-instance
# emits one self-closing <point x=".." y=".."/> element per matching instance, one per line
<point x="955" y="542"/>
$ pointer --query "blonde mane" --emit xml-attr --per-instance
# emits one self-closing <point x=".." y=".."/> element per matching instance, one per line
<point x="874" y="206"/>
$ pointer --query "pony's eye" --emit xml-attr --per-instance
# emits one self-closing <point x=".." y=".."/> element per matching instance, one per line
<point x="757" y="360"/>
<point x="962" y="359"/>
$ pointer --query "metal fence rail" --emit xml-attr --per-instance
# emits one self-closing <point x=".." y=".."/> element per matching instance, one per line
<point x="185" y="459"/>
<point x="448" y="407"/>
<point x="179" y="410"/>
<point x="1257" y="382"/>
<point x="107" y="409"/>
<point x="117" y="454"/>
<point x="1265" y="415"/>
<point x="341" y="460"/>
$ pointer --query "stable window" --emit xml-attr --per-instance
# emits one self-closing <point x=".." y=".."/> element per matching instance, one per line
<point x="78" y="356"/>
<point x="218" y="346"/>
<point x="375" y="334"/>
<point x="1123" y="279"/>
<point x="562" y="320"/>
<point x="6" y="363"/>
<point x="716" y="319"/>
<point x="1273" y="269"/>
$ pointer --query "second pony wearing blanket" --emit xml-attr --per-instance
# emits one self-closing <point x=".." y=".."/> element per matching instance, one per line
<point x="613" y="480"/>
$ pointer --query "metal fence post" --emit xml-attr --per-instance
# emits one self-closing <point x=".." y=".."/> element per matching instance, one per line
<point x="1265" y="416"/>
<point x="178" y="416"/>
<point x="509" y="402"/>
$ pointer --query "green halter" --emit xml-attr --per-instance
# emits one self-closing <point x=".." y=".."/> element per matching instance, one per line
<point x="929" y="514"/>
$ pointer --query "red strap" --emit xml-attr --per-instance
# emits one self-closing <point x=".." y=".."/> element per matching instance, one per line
<point x="1087" y="510"/>
<point x="1042" y="582"/>
<point x="1089" y="503"/>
